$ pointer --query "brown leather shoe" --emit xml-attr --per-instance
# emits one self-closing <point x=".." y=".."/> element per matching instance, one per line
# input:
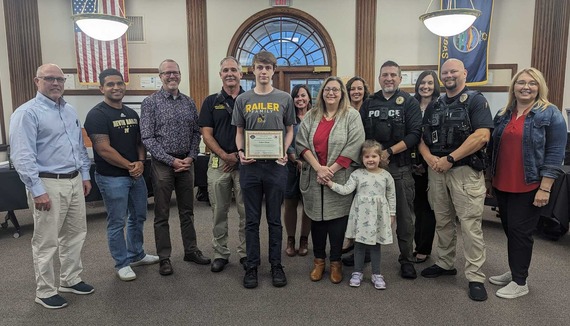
<point x="318" y="270"/>
<point x="303" y="246"/>
<point x="336" y="272"/>
<point x="290" y="250"/>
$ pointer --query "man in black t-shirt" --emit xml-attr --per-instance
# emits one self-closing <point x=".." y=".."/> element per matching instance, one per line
<point x="119" y="156"/>
<point x="223" y="169"/>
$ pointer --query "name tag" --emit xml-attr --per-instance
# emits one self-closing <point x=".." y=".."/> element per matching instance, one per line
<point x="219" y="107"/>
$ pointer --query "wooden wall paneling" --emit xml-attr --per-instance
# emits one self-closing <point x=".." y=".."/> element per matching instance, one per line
<point x="24" y="47"/>
<point x="549" y="45"/>
<point x="365" y="37"/>
<point x="197" y="50"/>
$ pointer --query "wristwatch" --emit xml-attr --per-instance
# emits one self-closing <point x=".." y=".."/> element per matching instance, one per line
<point x="390" y="151"/>
<point x="450" y="159"/>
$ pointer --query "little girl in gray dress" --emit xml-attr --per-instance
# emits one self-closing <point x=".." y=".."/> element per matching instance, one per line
<point x="372" y="212"/>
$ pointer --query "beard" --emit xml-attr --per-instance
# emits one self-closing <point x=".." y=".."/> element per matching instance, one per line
<point x="452" y="86"/>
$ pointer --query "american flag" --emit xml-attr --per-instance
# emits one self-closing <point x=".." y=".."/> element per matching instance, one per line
<point x="94" y="56"/>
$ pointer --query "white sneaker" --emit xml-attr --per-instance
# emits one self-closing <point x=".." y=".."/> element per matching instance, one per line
<point x="502" y="279"/>
<point x="147" y="260"/>
<point x="355" y="279"/>
<point x="512" y="290"/>
<point x="126" y="274"/>
<point x="378" y="281"/>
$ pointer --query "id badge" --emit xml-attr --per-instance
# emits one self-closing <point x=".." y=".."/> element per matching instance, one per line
<point x="434" y="138"/>
<point x="215" y="162"/>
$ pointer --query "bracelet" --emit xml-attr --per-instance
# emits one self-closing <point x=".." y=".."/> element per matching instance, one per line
<point x="547" y="191"/>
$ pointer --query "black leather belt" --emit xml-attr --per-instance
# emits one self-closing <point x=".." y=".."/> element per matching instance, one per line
<point x="59" y="176"/>
<point x="179" y="156"/>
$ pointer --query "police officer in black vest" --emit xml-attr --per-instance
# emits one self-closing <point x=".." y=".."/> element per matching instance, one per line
<point x="456" y="130"/>
<point x="393" y="118"/>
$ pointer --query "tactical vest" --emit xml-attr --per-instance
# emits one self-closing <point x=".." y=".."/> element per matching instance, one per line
<point x="385" y="122"/>
<point x="449" y="126"/>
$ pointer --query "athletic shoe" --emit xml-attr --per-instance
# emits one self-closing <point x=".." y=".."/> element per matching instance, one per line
<point x="355" y="279"/>
<point x="502" y="279"/>
<point x="512" y="290"/>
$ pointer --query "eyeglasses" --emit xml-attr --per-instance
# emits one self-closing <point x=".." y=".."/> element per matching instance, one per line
<point x="523" y="83"/>
<point x="332" y="89"/>
<point x="170" y="73"/>
<point x="49" y="79"/>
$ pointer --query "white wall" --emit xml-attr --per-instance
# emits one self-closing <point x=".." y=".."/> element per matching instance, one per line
<point x="400" y="36"/>
<point x="165" y="37"/>
<point x="225" y="17"/>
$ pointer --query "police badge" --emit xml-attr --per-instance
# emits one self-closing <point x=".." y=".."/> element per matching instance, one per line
<point x="400" y="100"/>
<point x="463" y="97"/>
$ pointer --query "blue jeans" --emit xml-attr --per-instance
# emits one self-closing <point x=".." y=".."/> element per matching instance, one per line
<point x="263" y="178"/>
<point x="125" y="199"/>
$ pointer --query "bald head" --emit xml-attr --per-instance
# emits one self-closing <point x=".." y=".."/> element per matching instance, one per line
<point x="50" y="81"/>
<point x="453" y="76"/>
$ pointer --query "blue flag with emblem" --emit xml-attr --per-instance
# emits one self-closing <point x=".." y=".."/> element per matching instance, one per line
<point x="471" y="46"/>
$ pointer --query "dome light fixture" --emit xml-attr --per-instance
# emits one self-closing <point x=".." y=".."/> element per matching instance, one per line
<point x="450" y="21"/>
<point x="100" y="26"/>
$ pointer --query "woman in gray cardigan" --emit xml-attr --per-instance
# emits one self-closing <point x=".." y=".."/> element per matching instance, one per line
<point x="329" y="140"/>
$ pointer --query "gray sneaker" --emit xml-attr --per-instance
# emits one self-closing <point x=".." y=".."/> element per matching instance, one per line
<point x="146" y="260"/>
<point x="355" y="279"/>
<point x="512" y="291"/>
<point x="502" y="279"/>
<point x="378" y="281"/>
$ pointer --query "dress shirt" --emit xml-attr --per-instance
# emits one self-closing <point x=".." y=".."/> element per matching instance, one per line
<point x="45" y="136"/>
<point x="169" y="126"/>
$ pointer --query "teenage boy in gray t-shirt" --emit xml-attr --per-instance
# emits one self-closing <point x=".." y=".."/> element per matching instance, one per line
<point x="263" y="108"/>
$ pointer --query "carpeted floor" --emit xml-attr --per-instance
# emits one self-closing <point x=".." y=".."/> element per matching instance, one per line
<point x="195" y="296"/>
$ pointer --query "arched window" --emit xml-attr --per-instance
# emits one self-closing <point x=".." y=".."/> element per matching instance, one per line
<point x="292" y="41"/>
<point x="304" y="50"/>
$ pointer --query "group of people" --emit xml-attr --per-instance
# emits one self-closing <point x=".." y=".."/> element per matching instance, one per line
<point x="416" y="164"/>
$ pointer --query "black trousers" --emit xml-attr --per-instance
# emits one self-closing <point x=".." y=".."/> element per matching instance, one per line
<point x="425" y="218"/>
<point x="519" y="218"/>
<point x="334" y="229"/>
<point x="164" y="181"/>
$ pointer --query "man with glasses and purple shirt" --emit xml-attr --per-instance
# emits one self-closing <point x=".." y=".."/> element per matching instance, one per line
<point x="49" y="155"/>
<point x="170" y="132"/>
<point x="120" y="155"/>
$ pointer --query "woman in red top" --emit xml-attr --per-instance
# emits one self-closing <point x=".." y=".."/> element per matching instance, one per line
<point x="329" y="141"/>
<point x="528" y="150"/>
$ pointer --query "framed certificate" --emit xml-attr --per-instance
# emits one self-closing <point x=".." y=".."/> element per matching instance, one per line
<point x="264" y="144"/>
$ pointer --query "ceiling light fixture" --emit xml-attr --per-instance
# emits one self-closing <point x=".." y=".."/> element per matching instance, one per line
<point x="100" y="26"/>
<point x="450" y="21"/>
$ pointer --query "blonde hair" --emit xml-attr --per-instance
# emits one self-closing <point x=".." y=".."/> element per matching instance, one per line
<point x="374" y="146"/>
<point x="541" y="100"/>
<point x="320" y="108"/>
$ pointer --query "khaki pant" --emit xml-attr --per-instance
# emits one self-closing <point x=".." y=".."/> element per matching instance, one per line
<point x="63" y="228"/>
<point x="459" y="192"/>
<point x="221" y="186"/>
